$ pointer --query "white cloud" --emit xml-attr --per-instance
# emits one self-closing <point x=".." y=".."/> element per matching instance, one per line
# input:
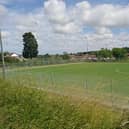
<point x="3" y="14"/>
<point x="3" y="11"/>
<point x="5" y="34"/>
<point x="56" y="11"/>
<point x="60" y="17"/>
<point x="82" y="11"/>
<point x="58" y="27"/>
<point x="105" y="15"/>
<point x="67" y="28"/>
<point x="84" y="14"/>
<point x="103" y="31"/>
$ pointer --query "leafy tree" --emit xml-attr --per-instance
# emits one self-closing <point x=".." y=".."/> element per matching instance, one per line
<point x="30" y="45"/>
<point x="65" y="56"/>
<point x="104" y="53"/>
<point x="47" y="56"/>
<point x="119" y="53"/>
<point x="127" y="49"/>
<point x="5" y="54"/>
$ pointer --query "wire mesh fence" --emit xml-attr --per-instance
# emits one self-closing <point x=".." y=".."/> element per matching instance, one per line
<point x="111" y="92"/>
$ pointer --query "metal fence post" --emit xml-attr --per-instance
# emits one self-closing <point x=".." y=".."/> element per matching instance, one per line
<point x="2" y="56"/>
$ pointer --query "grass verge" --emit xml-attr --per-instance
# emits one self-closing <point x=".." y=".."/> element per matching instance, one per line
<point x="25" y="108"/>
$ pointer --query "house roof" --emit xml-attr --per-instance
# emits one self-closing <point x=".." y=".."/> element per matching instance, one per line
<point x="14" y="55"/>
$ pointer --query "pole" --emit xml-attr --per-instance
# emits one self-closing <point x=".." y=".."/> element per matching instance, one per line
<point x="87" y="46"/>
<point x="86" y="38"/>
<point x="2" y="56"/>
<point x="111" y="86"/>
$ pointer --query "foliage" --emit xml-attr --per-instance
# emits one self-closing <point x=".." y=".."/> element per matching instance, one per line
<point x="47" y="56"/>
<point x="127" y="49"/>
<point x="30" y="45"/>
<point x="104" y="53"/>
<point x="5" y="54"/>
<point x="9" y="59"/>
<point x="25" y="108"/>
<point x="65" y="56"/>
<point x="119" y="53"/>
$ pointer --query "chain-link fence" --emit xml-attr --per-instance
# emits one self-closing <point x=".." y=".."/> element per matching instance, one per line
<point x="112" y="92"/>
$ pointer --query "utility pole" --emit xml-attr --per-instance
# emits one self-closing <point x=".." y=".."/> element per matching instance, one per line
<point x="2" y="56"/>
<point x="87" y="41"/>
<point x="87" y="47"/>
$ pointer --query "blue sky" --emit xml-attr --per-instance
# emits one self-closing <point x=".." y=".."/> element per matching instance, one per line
<point x="65" y="25"/>
<point x="33" y="4"/>
<point x="25" y="6"/>
<point x="94" y="2"/>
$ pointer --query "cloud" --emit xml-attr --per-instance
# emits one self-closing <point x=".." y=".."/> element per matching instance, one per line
<point x="105" y="15"/>
<point x="56" y="11"/>
<point x="67" y="28"/>
<point x="59" y="27"/>
<point x="103" y="30"/>
<point x="5" y="34"/>
<point x="60" y="17"/>
<point x="3" y="11"/>
<point x="3" y="14"/>
<point x="84" y="14"/>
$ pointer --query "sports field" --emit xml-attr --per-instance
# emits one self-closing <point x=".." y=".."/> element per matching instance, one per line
<point x="97" y="77"/>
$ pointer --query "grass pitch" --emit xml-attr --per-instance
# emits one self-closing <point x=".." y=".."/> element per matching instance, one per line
<point x="96" y="77"/>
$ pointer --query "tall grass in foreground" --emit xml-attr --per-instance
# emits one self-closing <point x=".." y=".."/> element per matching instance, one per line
<point x="25" y="108"/>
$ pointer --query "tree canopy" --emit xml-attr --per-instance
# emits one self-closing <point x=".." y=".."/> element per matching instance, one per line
<point x="104" y="53"/>
<point x="30" y="49"/>
<point x="119" y="53"/>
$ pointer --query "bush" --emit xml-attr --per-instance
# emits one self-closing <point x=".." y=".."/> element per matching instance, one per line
<point x="104" y="53"/>
<point x="119" y="53"/>
<point x="9" y="59"/>
<point x="65" y="56"/>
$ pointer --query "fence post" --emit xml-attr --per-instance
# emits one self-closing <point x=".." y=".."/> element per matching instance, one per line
<point x="2" y="56"/>
<point x="111" y="89"/>
<point x="86" y="85"/>
<point x="52" y="80"/>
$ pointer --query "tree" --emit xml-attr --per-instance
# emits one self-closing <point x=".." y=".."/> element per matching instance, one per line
<point x="5" y="54"/>
<point x="30" y="49"/>
<point x="119" y="53"/>
<point x="127" y="49"/>
<point x="104" y="53"/>
<point x="65" y="56"/>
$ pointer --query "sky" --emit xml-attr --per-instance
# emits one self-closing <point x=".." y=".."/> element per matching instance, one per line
<point x="65" y="25"/>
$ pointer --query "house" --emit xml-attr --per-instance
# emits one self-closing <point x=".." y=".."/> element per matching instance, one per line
<point x="83" y="57"/>
<point x="14" y="56"/>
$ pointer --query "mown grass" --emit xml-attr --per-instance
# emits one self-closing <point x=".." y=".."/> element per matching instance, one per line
<point x="29" y="108"/>
<point x="93" y="76"/>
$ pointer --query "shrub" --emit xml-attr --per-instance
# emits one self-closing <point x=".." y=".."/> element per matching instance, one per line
<point x="11" y="59"/>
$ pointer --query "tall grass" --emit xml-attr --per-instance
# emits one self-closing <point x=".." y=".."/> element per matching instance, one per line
<point x="26" y="108"/>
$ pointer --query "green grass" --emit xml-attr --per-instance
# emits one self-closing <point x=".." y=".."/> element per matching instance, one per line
<point x="90" y="76"/>
<point x="28" y="108"/>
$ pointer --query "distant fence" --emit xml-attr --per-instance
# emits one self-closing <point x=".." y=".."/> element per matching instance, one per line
<point x="33" y="63"/>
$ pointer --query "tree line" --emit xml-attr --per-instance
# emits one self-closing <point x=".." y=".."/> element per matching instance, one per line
<point x="30" y="50"/>
<point x="117" y="53"/>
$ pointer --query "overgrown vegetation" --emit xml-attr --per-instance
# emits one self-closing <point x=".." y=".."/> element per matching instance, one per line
<point x="25" y="108"/>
